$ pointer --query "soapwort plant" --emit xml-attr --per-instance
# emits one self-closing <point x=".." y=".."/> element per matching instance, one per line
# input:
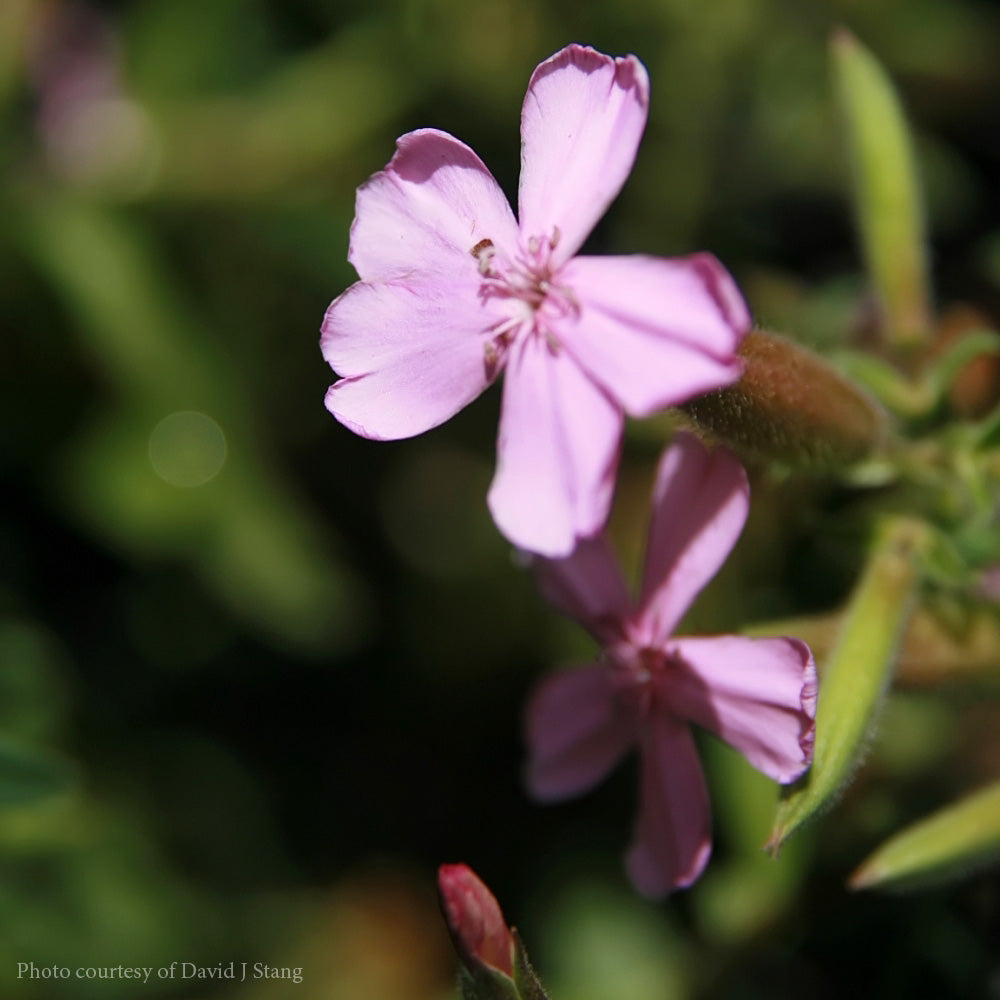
<point x="453" y="292"/>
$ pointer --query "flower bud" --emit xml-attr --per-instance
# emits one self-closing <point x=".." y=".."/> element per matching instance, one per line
<point x="791" y="406"/>
<point x="475" y="922"/>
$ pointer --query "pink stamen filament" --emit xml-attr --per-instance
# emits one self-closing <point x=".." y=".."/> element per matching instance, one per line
<point x="528" y="278"/>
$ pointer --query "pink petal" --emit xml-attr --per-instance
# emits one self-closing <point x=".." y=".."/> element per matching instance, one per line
<point x="672" y="839"/>
<point x="588" y="586"/>
<point x="577" y="730"/>
<point x="655" y="332"/>
<point x="557" y="451"/>
<point x="759" y="695"/>
<point x="427" y="211"/>
<point x="411" y="355"/>
<point x="700" y="504"/>
<point x="583" y="116"/>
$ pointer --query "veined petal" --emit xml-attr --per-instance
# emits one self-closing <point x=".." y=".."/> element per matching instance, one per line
<point x="759" y="695"/>
<point x="700" y="504"/>
<point x="427" y="211"/>
<point x="411" y="355"/>
<point x="672" y="839"/>
<point x="587" y="585"/>
<point x="557" y="451"/>
<point x="576" y="730"/>
<point x="582" y="119"/>
<point x="655" y="332"/>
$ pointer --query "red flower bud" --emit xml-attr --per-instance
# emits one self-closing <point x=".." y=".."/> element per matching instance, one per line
<point x="474" y="919"/>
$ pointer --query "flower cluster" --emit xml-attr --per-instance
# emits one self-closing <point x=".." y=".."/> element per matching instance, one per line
<point x="452" y="291"/>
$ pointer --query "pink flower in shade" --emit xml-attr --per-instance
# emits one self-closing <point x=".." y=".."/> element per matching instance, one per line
<point x="453" y="290"/>
<point x="475" y="921"/>
<point x="759" y="695"/>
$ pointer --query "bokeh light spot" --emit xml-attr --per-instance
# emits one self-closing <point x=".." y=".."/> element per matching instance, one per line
<point x="187" y="448"/>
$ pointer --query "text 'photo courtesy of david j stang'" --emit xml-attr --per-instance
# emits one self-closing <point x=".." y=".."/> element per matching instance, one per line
<point x="233" y="971"/>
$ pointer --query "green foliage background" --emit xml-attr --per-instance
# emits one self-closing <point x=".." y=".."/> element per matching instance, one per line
<point x="258" y="677"/>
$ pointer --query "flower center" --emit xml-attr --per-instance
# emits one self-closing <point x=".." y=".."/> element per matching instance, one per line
<point x="526" y="293"/>
<point x="637" y="671"/>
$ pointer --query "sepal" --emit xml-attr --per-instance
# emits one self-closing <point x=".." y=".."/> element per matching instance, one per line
<point x="528" y="986"/>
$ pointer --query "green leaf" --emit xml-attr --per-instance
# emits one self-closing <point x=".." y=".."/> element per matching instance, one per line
<point x="919" y="398"/>
<point x="893" y="390"/>
<point x="886" y="190"/>
<point x="28" y="776"/>
<point x="856" y="674"/>
<point x="944" y="845"/>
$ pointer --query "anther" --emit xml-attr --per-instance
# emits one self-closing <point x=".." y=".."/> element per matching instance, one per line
<point x="483" y="251"/>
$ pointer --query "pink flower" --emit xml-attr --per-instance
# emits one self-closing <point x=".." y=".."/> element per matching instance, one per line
<point x="453" y="291"/>
<point x="759" y="695"/>
<point x="474" y="919"/>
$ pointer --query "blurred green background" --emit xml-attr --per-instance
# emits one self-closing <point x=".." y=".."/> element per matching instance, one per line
<point x="269" y="675"/>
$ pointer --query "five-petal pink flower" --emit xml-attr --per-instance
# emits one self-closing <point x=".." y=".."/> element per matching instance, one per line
<point x="758" y="695"/>
<point x="453" y="290"/>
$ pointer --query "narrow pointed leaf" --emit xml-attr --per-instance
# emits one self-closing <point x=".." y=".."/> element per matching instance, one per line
<point x="856" y="674"/>
<point x="942" y="378"/>
<point x="892" y="389"/>
<point x="886" y="190"/>
<point x="949" y="843"/>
